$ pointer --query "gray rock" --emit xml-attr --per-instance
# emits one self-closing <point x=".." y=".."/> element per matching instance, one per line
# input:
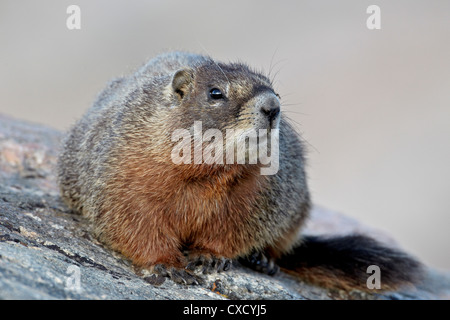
<point x="46" y="252"/>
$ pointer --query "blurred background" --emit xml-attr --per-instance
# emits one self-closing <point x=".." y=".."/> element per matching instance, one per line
<point x="374" y="105"/>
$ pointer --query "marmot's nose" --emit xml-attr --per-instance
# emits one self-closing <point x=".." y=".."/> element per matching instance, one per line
<point x="271" y="107"/>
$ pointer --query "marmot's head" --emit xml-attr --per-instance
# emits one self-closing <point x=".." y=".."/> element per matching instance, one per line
<point x="225" y="96"/>
<point x="231" y="106"/>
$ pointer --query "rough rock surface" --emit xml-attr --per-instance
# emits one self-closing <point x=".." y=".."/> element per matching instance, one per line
<point x="46" y="252"/>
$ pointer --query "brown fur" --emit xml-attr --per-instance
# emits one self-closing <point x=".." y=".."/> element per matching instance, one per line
<point x="185" y="208"/>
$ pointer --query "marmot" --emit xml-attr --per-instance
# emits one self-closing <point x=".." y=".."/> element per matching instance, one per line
<point x="116" y="168"/>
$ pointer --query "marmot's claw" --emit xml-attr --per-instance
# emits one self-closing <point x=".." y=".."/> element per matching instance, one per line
<point x="258" y="261"/>
<point x="177" y="275"/>
<point x="208" y="263"/>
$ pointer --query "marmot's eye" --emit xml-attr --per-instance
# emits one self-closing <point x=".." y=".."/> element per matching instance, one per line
<point x="215" y="93"/>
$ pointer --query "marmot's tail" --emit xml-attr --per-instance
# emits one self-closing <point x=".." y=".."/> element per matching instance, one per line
<point x="342" y="262"/>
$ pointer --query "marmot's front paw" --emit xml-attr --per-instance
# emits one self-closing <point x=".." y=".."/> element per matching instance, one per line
<point x="207" y="263"/>
<point x="177" y="275"/>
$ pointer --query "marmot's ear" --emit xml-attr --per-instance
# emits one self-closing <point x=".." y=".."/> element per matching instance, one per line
<point x="182" y="81"/>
